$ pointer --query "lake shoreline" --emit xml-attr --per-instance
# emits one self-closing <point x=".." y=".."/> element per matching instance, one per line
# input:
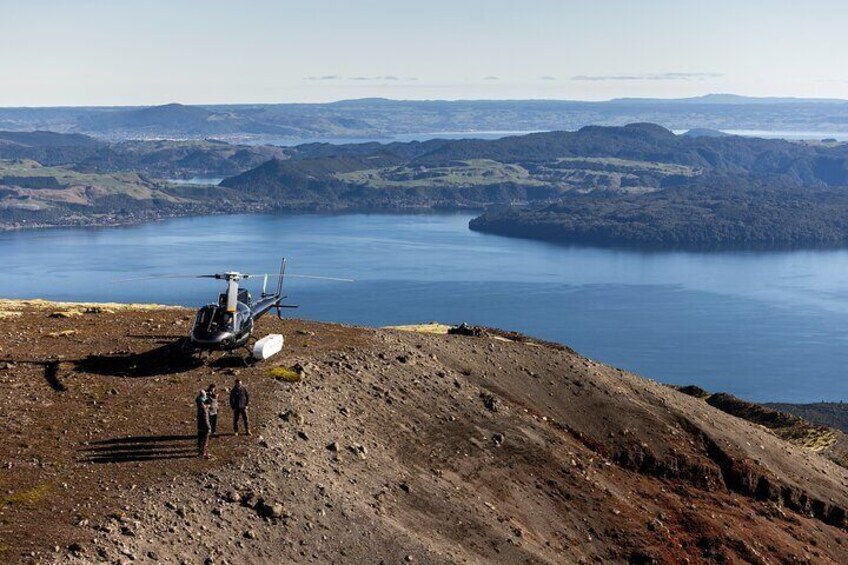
<point x="473" y="225"/>
<point x="161" y="215"/>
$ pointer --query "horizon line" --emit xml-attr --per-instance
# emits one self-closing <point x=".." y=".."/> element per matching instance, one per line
<point x="740" y="97"/>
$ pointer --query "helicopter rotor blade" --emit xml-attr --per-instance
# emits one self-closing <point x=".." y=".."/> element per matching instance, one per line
<point x="241" y="275"/>
<point x="153" y="277"/>
<point x="287" y="275"/>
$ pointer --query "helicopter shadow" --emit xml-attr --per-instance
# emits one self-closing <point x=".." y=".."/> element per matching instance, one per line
<point x="230" y="361"/>
<point x="51" y="371"/>
<point x="167" y="359"/>
<point x="160" y="338"/>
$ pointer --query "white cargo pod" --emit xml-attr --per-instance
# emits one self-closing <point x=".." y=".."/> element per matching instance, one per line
<point x="267" y="347"/>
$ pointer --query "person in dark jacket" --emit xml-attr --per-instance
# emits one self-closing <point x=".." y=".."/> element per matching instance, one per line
<point x="202" y="425"/>
<point x="239" y="399"/>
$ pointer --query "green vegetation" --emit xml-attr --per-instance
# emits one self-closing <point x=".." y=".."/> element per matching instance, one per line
<point x="79" y="187"/>
<point x="615" y="174"/>
<point x="700" y="217"/>
<point x="474" y="172"/>
<point x="285" y="374"/>
<point x="627" y="165"/>
<point x="27" y="497"/>
<point x="637" y="185"/>
<point x="178" y="159"/>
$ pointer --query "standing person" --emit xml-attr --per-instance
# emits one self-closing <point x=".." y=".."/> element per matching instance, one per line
<point x="212" y="403"/>
<point x="202" y="425"/>
<point x="239" y="399"/>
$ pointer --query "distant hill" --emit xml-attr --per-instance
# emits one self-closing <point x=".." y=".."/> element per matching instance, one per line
<point x="174" y="119"/>
<point x="713" y="214"/>
<point x="175" y="116"/>
<point x="158" y="158"/>
<point x="705" y="132"/>
<point x="47" y="147"/>
<point x="733" y="99"/>
<point x="46" y="139"/>
<point x="50" y="179"/>
<point x="382" y="119"/>
<point x="833" y="414"/>
<point x="638" y="184"/>
<point x="635" y="157"/>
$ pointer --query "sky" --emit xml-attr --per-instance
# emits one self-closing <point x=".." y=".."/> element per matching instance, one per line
<point x="129" y="52"/>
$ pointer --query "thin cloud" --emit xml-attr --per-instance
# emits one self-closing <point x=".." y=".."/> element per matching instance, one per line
<point x="649" y="76"/>
<point x="547" y="77"/>
<point x="387" y="77"/>
<point x="491" y="78"/>
<point x="383" y="78"/>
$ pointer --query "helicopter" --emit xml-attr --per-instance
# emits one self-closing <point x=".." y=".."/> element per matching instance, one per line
<point x="227" y="324"/>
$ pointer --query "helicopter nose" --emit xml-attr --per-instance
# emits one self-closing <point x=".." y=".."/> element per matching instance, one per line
<point x="212" y="338"/>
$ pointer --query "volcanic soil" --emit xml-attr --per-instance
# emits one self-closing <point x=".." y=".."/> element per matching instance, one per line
<point x="383" y="446"/>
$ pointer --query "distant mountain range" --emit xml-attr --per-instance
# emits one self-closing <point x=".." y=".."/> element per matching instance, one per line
<point x="638" y="184"/>
<point x="383" y="119"/>
<point x="724" y="99"/>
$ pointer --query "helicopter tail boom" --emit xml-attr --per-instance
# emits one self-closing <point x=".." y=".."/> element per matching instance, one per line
<point x="272" y="300"/>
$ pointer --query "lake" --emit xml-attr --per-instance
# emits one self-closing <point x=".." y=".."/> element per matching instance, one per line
<point x="766" y="326"/>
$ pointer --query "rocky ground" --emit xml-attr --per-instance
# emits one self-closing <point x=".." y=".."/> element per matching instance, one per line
<point x="392" y="447"/>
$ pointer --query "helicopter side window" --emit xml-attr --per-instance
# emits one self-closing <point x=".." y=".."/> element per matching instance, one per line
<point x="204" y="316"/>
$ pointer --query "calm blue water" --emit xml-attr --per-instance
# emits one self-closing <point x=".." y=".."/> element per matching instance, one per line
<point x="765" y="326"/>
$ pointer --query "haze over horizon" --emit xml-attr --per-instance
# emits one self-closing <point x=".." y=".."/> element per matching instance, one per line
<point x="145" y="53"/>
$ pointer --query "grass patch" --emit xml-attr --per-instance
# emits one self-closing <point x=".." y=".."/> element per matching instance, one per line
<point x="814" y="438"/>
<point x="30" y="496"/>
<point x="11" y="306"/>
<point x="57" y="179"/>
<point x="431" y="328"/>
<point x="66" y="314"/>
<point x="473" y="172"/>
<point x="64" y="333"/>
<point x="285" y="374"/>
<point x="612" y="164"/>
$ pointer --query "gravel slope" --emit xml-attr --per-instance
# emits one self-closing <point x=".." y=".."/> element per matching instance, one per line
<point x="394" y="447"/>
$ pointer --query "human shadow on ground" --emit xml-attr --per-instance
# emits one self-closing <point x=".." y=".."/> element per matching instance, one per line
<point x="140" y="448"/>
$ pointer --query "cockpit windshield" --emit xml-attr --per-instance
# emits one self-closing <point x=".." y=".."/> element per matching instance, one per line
<point x="213" y="319"/>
